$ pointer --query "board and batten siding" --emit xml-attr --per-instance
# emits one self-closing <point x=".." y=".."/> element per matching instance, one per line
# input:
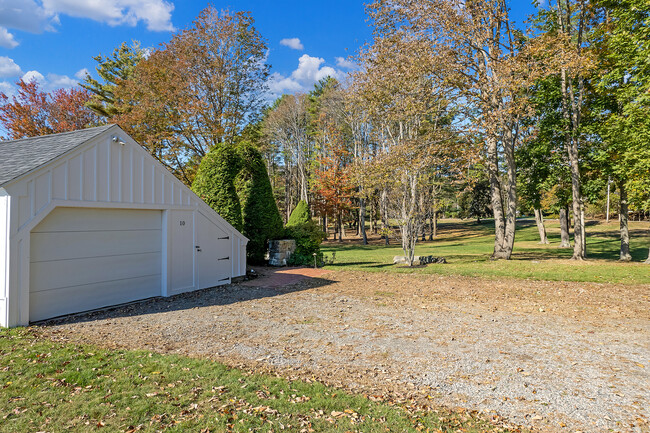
<point x="4" y="254"/>
<point x="103" y="173"/>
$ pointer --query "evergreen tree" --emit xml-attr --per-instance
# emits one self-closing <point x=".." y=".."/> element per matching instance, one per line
<point x="300" y="214"/>
<point x="215" y="183"/>
<point x="480" y="205"/>
<point x="112" y="70"/>
<point x="260" y="214"/>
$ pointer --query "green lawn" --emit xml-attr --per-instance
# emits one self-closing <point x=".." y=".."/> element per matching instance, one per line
<point x="60" y="387"/>
<point x="467" y="246"/>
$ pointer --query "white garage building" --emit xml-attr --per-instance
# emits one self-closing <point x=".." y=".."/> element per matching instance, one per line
<point x="89" y="219"/>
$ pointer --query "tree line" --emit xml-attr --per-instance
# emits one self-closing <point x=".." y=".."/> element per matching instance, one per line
<point x="453" y="105"/>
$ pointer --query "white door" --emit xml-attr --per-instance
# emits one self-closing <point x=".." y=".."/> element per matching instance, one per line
<point x="213" y="254"/>
<point x="83" y="258"/>
<point x="182" y="250"/>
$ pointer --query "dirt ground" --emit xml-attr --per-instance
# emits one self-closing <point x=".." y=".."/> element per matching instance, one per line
<point x="554" y="356"/>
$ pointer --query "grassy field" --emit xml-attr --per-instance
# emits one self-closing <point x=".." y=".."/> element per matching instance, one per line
<point x="467" y="246"/>
<point x="57" y="387"/>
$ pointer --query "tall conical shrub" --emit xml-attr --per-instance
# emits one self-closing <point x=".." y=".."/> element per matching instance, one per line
<point x="215" y="183"/>
<point x="299" y="215"/>
<point x="260" y="214"/>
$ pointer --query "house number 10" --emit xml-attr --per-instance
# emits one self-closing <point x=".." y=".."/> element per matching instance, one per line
<point x="182" y="223"/>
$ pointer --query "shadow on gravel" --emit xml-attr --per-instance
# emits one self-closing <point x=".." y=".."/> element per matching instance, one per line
<point x="215" y="296"/>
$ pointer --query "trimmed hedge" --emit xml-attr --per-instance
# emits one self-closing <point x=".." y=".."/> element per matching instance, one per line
<point x="300" y="214"/>
<point x="260" y="214"/>
<point x="215" y="183"/>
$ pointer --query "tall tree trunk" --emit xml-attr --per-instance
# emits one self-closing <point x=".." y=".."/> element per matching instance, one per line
<point x="571" y="114"/>
<point x="339" y="221"/>
<point x="539" y="220"/>
<point x="433" y="219"/>
<point x="383" y="210"/>
<point x="424" y="218"/>
<point x="410" y="219"/>
<point x="609" y="181"/>
<point x="647" y="262"/>
<point x="495" y="192"/>
<point x="584" y="230"/>
<point x="362" y="221"/>
<point x="622" y="217"/>
<point x="372" y="215"/>
<point x="511" y="190"/>
<point x="288" y="203"/>
<point x="435" y="224"/>
<point x="564" y="228"/>
<point x="578" y="222"/>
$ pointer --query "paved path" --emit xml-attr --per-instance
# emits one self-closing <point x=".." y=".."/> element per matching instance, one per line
<point x="273" y="278"/>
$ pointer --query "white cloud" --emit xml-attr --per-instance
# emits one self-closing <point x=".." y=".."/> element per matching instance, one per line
<point x="55" y="81"/>
<point x="7" y="39"/>
<point x="310" y="70"/>
<point x="81" y="73"/>
<point x="45" y="83"/>
<point x="293" y="43"/>
<point x="6" y="88"/>
<point x="342" y="62"/>
<point x="37" y="16"/>
<point x="26" y="15"/>
<point x="34" y="76"/>
<point x="8" y="68"/>
<point x="279" y="84"/>
<point x="156" y="14"/>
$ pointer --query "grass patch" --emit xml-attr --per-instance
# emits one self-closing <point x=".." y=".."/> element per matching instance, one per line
<point x="59" y="387"/>
<point x="467" y="247"/>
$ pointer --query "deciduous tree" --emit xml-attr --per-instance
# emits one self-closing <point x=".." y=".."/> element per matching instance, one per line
<point x="196" y="92"/>
<point x="33" y="112"/>
<point x="623" y="42"/>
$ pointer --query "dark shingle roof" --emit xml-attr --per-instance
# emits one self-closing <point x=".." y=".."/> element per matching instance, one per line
<point x="18" y="157"/>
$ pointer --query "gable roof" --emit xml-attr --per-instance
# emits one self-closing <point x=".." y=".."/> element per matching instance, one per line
<point x="18" y="157"/>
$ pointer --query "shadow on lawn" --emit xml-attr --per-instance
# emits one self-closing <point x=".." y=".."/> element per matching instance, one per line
<point x="215" y="296"/>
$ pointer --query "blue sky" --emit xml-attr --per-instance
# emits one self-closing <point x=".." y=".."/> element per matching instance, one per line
<point x="55" y="41"/>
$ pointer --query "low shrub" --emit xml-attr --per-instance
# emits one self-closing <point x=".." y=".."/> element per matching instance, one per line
<point x="308" y="236"/>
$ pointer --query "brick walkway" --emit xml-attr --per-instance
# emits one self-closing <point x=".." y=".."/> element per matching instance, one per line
<point x="279" y="277"/>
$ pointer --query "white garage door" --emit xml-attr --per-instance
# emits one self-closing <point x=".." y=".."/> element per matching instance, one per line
<point x="82" y="259"/>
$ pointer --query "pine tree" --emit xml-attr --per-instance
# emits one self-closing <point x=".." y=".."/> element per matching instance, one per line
<point x="112" y="70"/>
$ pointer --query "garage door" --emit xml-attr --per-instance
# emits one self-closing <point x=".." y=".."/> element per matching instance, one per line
<point x="82" y="259"/>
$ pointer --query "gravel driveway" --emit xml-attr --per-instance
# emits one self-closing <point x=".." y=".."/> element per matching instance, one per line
<point x="556" y="356"/>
